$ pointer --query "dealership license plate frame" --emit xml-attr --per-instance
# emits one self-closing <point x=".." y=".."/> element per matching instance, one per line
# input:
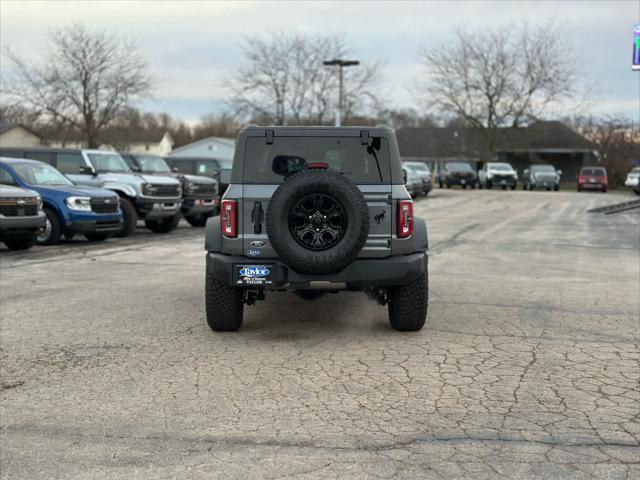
<point x="254" y="280"/>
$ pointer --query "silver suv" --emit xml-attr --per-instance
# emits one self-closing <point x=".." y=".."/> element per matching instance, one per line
<point x="314" y="210"/>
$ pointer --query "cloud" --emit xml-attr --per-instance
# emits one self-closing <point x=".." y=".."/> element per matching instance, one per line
<point x="192" y="45"/>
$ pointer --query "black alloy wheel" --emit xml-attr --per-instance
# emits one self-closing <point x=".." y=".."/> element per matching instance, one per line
<point x="317" y="221"/>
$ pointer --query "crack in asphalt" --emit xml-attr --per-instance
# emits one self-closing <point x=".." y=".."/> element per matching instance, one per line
<point x="528" y="366"/>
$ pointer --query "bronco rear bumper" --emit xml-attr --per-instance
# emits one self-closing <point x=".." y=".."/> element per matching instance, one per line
<point x="381" y="272"/>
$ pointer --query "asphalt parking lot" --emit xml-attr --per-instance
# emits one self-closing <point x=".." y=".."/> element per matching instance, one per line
<point x="528" y="366"/>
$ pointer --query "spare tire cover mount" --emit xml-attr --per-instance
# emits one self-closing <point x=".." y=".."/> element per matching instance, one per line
<point x="317" y="221"/>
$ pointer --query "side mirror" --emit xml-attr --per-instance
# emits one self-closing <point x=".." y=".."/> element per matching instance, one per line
<point x="87" y="170"/>
<point x="404" y="176"/>
<point x="175" y="169"/>
<point x="526" y="172"/>
<point x="135" y="168"/>
<point x="559" y="172"/>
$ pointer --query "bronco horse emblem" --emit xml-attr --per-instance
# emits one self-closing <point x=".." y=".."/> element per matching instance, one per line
<point x="378" y="218"/>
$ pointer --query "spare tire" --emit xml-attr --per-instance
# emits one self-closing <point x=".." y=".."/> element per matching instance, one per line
<point x="317" y="221"/>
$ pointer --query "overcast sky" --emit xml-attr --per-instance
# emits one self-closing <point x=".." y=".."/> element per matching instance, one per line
<point x="192" y="46"/>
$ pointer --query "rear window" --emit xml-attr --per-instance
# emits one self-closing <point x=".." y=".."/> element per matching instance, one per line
<point x="418" y="167"/>
<point x="183" y="166"/>
<point x="46" y="157"/>
<point x="70" y="162"/>
<point x="207" y="168"/>
<point x="458" y="167"/>
<point x="543" y="168"/>
<point x="363" y="164"/>
<point x="599" y="172"/>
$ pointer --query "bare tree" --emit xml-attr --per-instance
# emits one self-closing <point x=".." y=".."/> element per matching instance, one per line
<point x="618" y="139"/>
<point x="283" y="80"/>
<point x="85" y="80"/>
<point x="217" y="125"/>
<point x="404" y="118"/>
<point x="505" y="76"/>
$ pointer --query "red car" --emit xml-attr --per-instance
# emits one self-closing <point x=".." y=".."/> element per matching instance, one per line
<point x="593" y="178"/>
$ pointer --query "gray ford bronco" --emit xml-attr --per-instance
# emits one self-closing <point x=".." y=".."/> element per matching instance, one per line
<point x="314" y="210"/>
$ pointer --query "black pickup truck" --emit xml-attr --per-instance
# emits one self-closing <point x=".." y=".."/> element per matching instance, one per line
<point x="207" y="167"/>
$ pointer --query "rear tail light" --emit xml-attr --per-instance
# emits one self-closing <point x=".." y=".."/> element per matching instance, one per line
<point x="582" y="179"/>
<point x="229" y="218"/>
<point x="405" y="218"/>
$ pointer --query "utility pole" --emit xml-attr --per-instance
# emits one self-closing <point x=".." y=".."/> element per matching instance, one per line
<point x="340" y="63"/>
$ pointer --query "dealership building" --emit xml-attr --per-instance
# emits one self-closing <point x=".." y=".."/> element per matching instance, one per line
<point x="541" y="142"/>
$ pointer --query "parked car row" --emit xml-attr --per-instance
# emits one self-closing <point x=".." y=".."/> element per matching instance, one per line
<point x="503" y="175"/>
<point x="97" y="194"/>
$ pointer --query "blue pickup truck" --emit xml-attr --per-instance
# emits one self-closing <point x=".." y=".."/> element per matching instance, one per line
<point x="69" y="209"/>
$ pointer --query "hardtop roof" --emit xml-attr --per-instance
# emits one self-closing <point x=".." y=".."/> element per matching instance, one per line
<point x="315" y="131"/>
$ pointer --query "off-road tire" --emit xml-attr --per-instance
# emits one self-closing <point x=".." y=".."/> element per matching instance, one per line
<point x="197" y="220"/>
<point x="336" y="257"/>
<point x="54" y="236"/>
<point x="310" y="294"/>
<point x="163" y="225"/>
<point x="20" y="242"/>
<point x="513" y="187"/>
<point x="408" y="304"/>
<point x="488" y="185"/>
<point x="129" y="218"/>
<point x="97" y="237"/>
<point x="224" y="305"/>
<point x="556" y="188"/>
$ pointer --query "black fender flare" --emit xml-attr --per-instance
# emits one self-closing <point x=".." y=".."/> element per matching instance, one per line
<point x="420" y="236"/>
<point x="213" y="235"/>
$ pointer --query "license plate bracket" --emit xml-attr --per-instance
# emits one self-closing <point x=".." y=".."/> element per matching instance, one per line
<point x="253" y="274"/>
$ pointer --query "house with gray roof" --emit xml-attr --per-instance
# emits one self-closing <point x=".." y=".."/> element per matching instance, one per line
<point x="211" y="147"/>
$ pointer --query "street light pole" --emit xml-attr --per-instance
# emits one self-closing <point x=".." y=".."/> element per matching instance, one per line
<point x="340" y="63"/>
